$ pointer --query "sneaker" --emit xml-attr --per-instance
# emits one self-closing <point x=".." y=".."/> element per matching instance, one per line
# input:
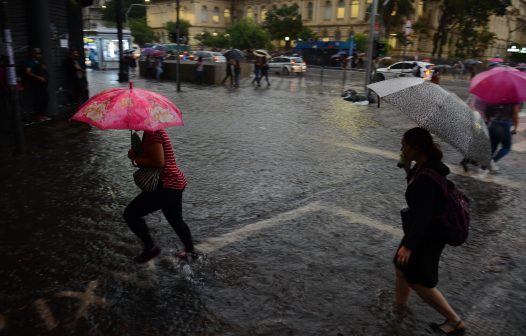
<point x="493" y="166"/>
<point x="189" y="256"/>
<point x="147" y="255"/>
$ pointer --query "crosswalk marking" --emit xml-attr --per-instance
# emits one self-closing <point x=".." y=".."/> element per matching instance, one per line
<point x="457" y="170"/>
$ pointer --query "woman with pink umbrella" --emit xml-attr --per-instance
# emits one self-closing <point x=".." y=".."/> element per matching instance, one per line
<point x="138" y="109"/>
<point x="503" y="88"/>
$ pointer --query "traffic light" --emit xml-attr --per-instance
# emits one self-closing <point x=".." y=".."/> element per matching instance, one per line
<point x="378" y="49"/>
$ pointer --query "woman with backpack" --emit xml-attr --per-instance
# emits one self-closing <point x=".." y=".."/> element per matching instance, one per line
<point x="417" y="258"/>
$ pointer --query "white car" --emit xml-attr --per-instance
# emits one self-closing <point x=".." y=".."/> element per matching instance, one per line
<point x="208" y="56"/>
<point x="287" y="64"/>
<point x="404" y="69"/>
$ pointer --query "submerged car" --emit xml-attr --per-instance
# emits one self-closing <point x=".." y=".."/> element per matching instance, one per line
<point x="404" y="69"/>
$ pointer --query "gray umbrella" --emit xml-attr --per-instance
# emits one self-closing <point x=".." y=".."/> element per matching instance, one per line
<point x="235" y="54"/>
<point x="440" y="112"/>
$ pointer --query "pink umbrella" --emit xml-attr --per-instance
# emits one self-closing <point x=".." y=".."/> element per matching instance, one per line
<point x="133" y="109"/>
<point x="496" y="60"/>
<point x="500" y="85"/>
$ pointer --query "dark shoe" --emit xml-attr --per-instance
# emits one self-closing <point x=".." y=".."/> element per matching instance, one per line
<point x="456" y="329"/>
<point x="147" y="255"/>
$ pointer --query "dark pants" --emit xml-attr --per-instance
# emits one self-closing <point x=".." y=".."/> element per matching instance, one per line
<point x="170" y="201"/>
<point x="500" y="133"/>
<point x="39" y="98"/>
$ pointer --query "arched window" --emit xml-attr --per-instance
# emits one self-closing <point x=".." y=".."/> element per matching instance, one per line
<point x="204" y="14"/>
<point x="226" y="15"/>
<point x="328" y="10"/>
<point x="355" y="8"/>
<point x="215" y="15"/>
<point x="310" y="10"/>
<point x="340" y="12"/>
<point x="250" y="13"/>
<point x="263" y="14"/>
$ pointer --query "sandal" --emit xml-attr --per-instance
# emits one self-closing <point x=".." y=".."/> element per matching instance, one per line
<point x="456" y="331"/>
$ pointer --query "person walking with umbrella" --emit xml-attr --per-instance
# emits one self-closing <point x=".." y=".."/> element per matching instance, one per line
<point x="503" y="120"/>
<point x="139" y="109"/>
<point x="264" y="72"/>
<point x="229" y="73"/>
<point x="157" y="152"/>
<point x="417" y="258"/>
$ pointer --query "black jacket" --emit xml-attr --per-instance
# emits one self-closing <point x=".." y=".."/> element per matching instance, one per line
<point x="426" y="201"/>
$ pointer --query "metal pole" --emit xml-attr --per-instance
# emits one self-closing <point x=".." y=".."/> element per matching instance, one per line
<point x="370" y="43"/>
<point x="123" y="71"/>
<point x="20" y="143"/>
<point x="178" y="68"/>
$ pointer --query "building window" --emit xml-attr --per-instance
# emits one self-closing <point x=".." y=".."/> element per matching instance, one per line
<point x="263" y="14"/>
<point x="204" y="14"/>
<point x="337" y="35"/>
<point x="310" y="9"/>
<point x="250" y="13"/>
<point x="215" y="15"/>
<point x="355" y="8"/>
<point x="340" y="12"/>
<point x="226" y="15"/>
<point x="328" y="10"/>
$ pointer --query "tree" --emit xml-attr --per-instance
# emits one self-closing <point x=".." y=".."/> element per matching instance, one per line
<point x="184" y="27"/>
<point x="221" y="40"/>
<point x="284" y="22"/>
<point x="403" y="10"/>
<point x="141" y="32"/>
<point x="245" y="34"/>
<point x="110" y="12"/>
<point x="470" y="19"/>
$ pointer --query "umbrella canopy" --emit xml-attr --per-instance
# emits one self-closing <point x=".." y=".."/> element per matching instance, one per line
<point x="128" y="51"/>
<point x="472" y="61"/>
<point x="235" y="54"/>
<point x="129" y="108"/>
<point x="158" y="53"/>
<point x="440" y="112"/>
<point x="495" y="60"/>
<point x="148" y="51"/>
<point x="500" y="85"/>
<point x="262" y="53"/>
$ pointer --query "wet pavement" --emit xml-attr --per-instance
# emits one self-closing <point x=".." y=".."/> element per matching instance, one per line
<point x="293" y="199"/>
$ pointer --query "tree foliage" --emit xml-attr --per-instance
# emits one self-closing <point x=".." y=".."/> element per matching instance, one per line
<point x="141" y="32"/>
<point x="245" y="34"/>
<point x="184" y="27"/>
<point x="403" y="10"/>
<point x="221" y="40"/>
<point x="285" y="22"/>
<point x="109" y="14"/>
<point x="469" y="18"/>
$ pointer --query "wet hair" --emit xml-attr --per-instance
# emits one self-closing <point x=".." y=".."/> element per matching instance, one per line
<point x="422" y="138"/>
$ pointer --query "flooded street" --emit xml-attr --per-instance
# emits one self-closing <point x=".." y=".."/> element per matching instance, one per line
<point x="293" y="198"/>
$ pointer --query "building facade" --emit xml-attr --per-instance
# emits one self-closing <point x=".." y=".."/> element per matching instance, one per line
<point x="331" y="20"/>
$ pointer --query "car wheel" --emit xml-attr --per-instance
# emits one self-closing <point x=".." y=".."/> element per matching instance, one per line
<point x="285" y="71"/>
<point x="378" y="77"/>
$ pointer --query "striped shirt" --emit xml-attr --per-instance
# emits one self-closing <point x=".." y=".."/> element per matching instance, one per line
<point x="171" y="177"/>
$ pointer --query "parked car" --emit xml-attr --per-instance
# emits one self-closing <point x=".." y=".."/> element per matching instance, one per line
<point x="405" y="68"/>
<point x="208" y="56"/>
<point x="287" y="64"/>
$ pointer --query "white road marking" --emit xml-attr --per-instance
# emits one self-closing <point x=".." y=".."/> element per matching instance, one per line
<point x="519" y="147"/>
<point x="457" y="170"/>
<point x="87" y="298"/>
<point x="357" y="218"/>
<point x="45" y="314"/>
<point x="213" y="244"/>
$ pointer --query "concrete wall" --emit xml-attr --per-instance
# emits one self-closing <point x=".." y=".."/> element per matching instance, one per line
<point x="214" y="72"/>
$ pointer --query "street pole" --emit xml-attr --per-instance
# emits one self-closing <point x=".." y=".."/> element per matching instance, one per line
<point x="20" y="144"/>
<point x="123" y="71"/>
<point x="370" y="44"/>
<point x="178" y="31"/>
